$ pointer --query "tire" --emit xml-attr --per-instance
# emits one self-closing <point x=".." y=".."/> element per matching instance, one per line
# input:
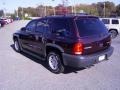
<point x="17" y="46"/>
<point x="54" y="63"/>
<point x="2" y="25"/>
<point x="113" y="33"/>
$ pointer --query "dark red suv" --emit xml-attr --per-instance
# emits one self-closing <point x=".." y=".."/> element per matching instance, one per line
<point x="66" y="40"/>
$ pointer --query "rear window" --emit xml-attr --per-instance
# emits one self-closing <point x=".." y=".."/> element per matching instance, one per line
<point x="90" y="26"/>
<point x="115" y="22"/>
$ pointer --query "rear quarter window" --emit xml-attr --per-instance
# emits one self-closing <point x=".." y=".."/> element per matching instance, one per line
<point x="115" y="22"/>
<point x="61" y="24"/>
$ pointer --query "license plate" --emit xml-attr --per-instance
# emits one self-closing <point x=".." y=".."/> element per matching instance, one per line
<point x="101" y="58"/>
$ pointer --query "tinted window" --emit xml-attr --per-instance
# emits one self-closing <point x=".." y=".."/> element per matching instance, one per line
<point x="115" y="22"/>
<point x="90" y="26"/>
<point x="61" y="25"/>
<point x="31" y="26"/>
<point x="106" y="21"/>
<point x="41" y="26"/>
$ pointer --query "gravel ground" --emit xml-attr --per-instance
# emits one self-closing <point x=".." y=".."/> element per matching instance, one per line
<point x="23" y="72"/>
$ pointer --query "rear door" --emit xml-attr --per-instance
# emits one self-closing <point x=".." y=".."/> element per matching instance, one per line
<point x="62" y="33"/>
<point x="40" y="40"/>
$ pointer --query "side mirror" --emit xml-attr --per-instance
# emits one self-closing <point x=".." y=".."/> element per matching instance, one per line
<point x="23" y="29"/>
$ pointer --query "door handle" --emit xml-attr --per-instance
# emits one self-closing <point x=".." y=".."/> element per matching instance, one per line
<point x="40" y="35"/>
<point x="30" y="35"/>
<point x="44" y="40"/>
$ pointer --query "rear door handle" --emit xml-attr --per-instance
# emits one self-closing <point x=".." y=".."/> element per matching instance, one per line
<point x="31" y="35"/>
<point x="44" y="40"/>
<point x="40" y="35"/>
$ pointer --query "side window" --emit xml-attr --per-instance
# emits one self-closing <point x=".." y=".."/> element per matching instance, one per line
<point x="41" y="26"/>
<point x="61" y="26"/>
<point x="115" y="22"/>
<point x="106" y="21"/>
<point x="31" y="26"/>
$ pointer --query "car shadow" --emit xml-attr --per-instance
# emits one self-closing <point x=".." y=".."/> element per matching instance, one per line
<point x="43" y="63"/>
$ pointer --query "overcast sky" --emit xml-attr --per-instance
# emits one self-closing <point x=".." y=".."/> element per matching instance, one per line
<point x="11" y="5"/>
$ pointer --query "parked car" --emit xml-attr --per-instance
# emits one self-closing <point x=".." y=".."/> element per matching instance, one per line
<point x="5" y="20"/>
<point x="113" y="25"/>
<point x="2" y="23"/>
<point x="9" y="20"/>
<point x="76" y="41"/>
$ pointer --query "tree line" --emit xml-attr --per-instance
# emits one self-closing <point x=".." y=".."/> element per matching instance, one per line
<point x="101" y="9"/>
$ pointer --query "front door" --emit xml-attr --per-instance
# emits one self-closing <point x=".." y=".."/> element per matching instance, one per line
<point x="27" y="38"/>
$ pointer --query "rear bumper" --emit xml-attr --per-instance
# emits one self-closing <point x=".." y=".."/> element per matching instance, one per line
<point x="86" y="60"/>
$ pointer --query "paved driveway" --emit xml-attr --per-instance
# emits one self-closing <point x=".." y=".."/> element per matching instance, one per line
<point x="23" y="72"/>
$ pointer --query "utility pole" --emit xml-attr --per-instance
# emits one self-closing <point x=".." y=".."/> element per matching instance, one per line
<point x="45" y="11"/>
<point x="104" y="10"/>
<point x="74" y="7"/>
<point x="54" y="9"/>
<point x="17" y="12"/>
<point x="22" y="13"/>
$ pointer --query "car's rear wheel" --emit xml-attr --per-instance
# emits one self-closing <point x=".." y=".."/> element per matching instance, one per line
<point x="17" y="46"/>
<point x="54" y="63"/>
<point x="113" y="33"/>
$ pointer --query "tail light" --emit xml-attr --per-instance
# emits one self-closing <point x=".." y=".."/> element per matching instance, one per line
<point x="78" y="48"/>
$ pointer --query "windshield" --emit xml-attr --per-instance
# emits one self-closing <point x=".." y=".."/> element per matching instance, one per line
<point x="90" y="26"/>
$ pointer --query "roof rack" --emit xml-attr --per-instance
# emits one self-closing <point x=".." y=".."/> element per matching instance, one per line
<point x="71" y="14"/>
<point x="77" y="14"/>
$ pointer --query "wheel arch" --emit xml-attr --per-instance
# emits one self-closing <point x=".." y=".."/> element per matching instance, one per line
<point x="15" y="36"/>
<point x="54" y="47"/>
<point x="114" y="30"/>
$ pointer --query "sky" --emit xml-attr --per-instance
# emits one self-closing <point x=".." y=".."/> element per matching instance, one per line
<point x="11" y="5"/>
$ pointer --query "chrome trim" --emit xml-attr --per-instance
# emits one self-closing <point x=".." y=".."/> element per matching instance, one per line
<point x="89" y="47"/>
